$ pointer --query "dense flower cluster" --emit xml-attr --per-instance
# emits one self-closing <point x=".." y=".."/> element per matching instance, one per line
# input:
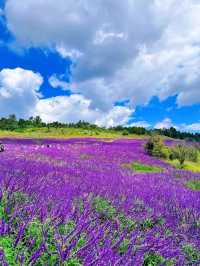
<point x="72" y="202"/>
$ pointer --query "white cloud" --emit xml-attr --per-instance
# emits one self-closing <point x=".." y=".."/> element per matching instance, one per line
<point x="55" y="82"/>
<point x="166" y="123"/>
<point x="72" y="53"/>
<point x="103" y="36"/>
<point x="19" y="94"/>
<point x="65" y="108"/>
<point x="140" y="124"/>
<point x="75" y="107"/>
<point x="117" y="115"/>
<point x="153" y="51"/>
<point x="19" y="91"/>
<point x="192" y="127"/>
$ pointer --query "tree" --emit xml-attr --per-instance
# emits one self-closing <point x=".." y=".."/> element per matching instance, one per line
<point x="37" y="121"/>
<point x="179" y="152"/>
<point x="22" y="123"/>
<point x="155" y="147"/>
<point x="12" y="123"/>
<point x="183" y="152"/>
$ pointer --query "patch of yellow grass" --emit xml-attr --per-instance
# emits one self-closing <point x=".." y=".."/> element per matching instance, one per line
<point x="64" y="133"/>
<point x="191" y="166"/>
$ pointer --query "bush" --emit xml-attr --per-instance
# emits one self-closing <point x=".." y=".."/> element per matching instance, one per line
<point x="183" y="152"/>
<point x="179" y="152"/>
<point x="125" y="133"/>
<point x="192" y="154"/>
<point x="155" y="147"/>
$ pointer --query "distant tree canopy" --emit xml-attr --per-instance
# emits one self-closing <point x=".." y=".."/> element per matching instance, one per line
<point x="12" y="123"/>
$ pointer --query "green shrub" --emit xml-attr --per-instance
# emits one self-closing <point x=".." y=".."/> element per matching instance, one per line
<point x="192" y="154"/>
<point x="193" y="184"/>
<point x="155" y="147"/>
<point x="179" y="152"/>
<point x="183" y="152"/>
<point x="125" y="133"/>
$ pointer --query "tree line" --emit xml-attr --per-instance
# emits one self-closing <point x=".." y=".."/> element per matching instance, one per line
<point x="12" y="123"/>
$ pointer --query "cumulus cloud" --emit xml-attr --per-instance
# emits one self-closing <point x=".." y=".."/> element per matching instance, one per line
<point x="117" y="115"/>
<point x="19" y="94"/>
<point x="153" y="51"/>
<point x="19" y="91"/>
<point x="65" y="108"/>
<point x="166" y="123"/>
<point x="76" y="107"/>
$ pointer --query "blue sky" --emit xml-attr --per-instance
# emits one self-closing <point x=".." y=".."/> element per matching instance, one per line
<point x="82" y="61"/>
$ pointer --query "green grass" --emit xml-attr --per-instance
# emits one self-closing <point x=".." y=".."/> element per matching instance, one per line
<point x="142" y="168"/>
<point x="193" y="184"/>
<point x="191" y="166"/>
<point x="64" y="133"/>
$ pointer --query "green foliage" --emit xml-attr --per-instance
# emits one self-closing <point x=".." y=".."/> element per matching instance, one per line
<point x="10" y="123"/>
<point x="147" y="224"/>
<point x="35" y="124"/>
<point x="3" y="203"/>
<point x="67" y="227"/>
<point x="191" y="253"/>
<point x="103" y="207"/>
<point x="192" y="154"/>
<point x="126" y="222"/>
<point x="47" y="259"/>
<point x="174" y="133"/>
<point x="6" y="243"/>
<point x="182" y="153"/>
<point x="179" y="152"/>
<point x="154" y="259"/>
<point x="72" y="262"/>
<point x="190" y="166"/>
<point x="193" y="184"/>
<point x="124" y="246"/>
<point x="155" y="147"/>
<point x="125" y="132"/>
<point x="143" y="168"/>
<point x="80" y="242"/>
<point x="150" y="223"/>
<point x="34" y="229"/>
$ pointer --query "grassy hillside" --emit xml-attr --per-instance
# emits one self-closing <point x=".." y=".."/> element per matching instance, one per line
<point x="65" y="133"/>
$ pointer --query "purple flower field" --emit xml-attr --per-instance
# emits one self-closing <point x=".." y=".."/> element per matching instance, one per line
<point x="72" y="202"/>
